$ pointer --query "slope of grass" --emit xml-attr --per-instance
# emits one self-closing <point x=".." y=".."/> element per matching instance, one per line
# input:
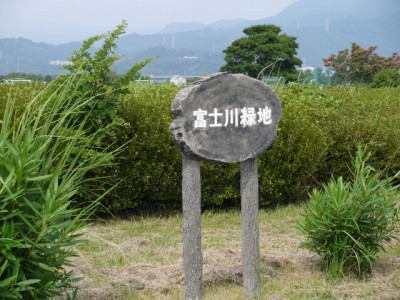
<point x="141" y="258"/>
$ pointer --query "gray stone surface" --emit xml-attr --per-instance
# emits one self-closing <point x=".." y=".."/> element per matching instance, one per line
<point x="250" y="227"/>
<point x="191" y="206"/>
<point x="226" y="118"/>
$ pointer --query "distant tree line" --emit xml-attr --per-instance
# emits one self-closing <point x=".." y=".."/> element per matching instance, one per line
<point x="28" y="76"/>
<point x="266" y="51"/>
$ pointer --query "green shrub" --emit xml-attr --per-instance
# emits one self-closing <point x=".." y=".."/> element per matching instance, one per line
<point x="92" y="75"/>
<point x="362" y="116"/>
<point x="287" y="170"/>
<point x="43" y="162"/>
<point x="348" y="223"/>
<point x="149" y="166"/>
<point x="22" y="93"/>
<point x="386" y="78"/>
<point x="318" y="130"/>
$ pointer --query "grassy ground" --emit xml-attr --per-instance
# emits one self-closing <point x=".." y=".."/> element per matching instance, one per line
<point x="141" y="258"/>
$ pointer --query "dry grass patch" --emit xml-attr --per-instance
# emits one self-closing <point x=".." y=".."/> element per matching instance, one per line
<point x="141" y="258"/>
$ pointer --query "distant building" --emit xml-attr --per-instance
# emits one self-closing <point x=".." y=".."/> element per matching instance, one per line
<point x="190" y="57"/>
<point x="145" y="81"/>
<point x="178" y="80"/>
<point x="307" y="68"/>
<point x="60" y="62"/>
<point x="12" y="81"/>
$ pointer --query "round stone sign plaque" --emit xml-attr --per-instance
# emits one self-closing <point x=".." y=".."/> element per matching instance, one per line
<point x="226" y="118"/>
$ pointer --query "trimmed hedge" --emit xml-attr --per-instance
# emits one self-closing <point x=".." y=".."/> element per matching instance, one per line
<point x="22" y="93"/>
<point x="320" y="129"/>
<point x="149" y="166"/>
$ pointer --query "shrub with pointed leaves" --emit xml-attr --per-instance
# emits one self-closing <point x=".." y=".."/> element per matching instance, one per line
<point x="43" y="162"/>
<point x="348" y="223"/>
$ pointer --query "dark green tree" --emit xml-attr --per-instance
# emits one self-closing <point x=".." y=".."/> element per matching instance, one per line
<point x="265" y="50"/>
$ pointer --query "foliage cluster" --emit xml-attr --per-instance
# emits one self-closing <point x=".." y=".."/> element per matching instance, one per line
<point x="349" y="222"/>
<point x="257" y="53"/>
<point x="23" y="93"/>
<point x="358" y="65"/>
<point x="56" y="145"/>
<point x="91" y="72"/>
<point x="94" y="77"/>
<point x="43" y="162"/>
<point x="149" y="164"/>
<point x="386" y="78"/>
<point x="320" y="127"/>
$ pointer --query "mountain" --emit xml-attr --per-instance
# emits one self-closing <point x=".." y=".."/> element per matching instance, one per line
<point x="229" y="24"/>
<point x="23" y="55"/>
<point x="305" y="13"/>
<point x="182" y="27"/>
<point x="325" y="27"/>
<point x="321" y="28"/>
<point x="317" y="42"/>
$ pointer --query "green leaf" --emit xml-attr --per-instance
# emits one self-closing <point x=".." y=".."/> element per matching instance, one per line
<point x="9" y="280"/>
<point x="39" y="178"/>
<point x="13" y="276"/>
<point x="43" y="266"/>
<point x="28" y="282"/>
<point x="3" y="267"/>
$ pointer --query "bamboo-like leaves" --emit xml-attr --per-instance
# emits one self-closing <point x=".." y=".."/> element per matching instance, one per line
<point x="43" y="161"/>
<point x="348" y="223"/>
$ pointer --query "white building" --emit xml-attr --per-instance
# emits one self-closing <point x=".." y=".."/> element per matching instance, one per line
<point x="178" y="80"/>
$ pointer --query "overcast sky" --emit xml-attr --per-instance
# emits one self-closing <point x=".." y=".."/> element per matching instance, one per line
<point x="59" y="21"/>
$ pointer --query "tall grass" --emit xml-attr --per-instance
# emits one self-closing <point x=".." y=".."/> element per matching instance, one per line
<point x="43" y="160"/>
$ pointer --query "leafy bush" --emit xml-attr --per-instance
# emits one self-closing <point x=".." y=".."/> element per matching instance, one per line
<point x="348" y="223"/>
<point x="43" y="162"/>
<point x="318" y="130"/>
<point x="287" y="170"/>
<point x="359" y="65"/>
<point x="92" y="71"/>
<point x="22" y="94"/>
<point x="92" y="75"/>
<point x="386" y="78"/>
<point x="148" y="167"/>
<point x="362" y="116"/>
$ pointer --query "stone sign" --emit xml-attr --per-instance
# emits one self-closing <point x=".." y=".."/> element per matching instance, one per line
<point x="227" y="118"/>
<point x="224" y="118"/>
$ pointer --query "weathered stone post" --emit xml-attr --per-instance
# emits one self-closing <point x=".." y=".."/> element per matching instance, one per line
<point x="224" y="118"/>
<point x="250" y="227"/>
<point x="191" y="207"/>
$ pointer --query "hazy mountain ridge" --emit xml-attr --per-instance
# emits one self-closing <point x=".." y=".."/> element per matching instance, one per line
<point x="194" y="48"/>
<point x="182" y="27"/>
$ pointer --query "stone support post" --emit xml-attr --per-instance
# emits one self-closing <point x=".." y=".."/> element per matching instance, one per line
<point x="250" y="227"/>
<point x="191" y="206"/>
